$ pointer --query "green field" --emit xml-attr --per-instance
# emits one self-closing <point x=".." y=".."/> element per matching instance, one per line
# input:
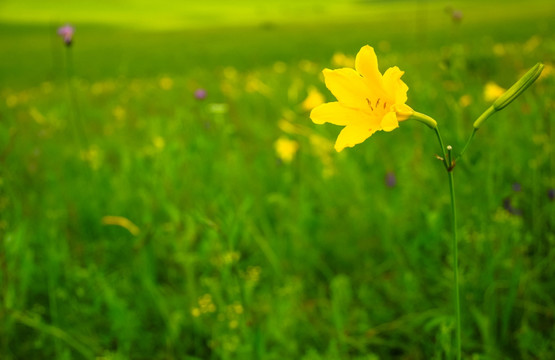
<point x="138" y="222"/>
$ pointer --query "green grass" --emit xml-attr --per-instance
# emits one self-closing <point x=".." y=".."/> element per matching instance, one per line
<point x="243" y="256"/>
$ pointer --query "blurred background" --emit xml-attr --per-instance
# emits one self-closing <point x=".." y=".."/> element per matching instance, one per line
<point x="164" y="194"/>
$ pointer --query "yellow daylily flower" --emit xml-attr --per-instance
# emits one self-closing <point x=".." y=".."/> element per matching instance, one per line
<point x="367" y="100"/>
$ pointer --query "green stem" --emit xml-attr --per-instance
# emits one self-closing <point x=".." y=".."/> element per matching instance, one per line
<point x="455" y="264"/>
<point x="445" y="163"/>
<point x="455" y="246"/>
<point x="467" y="143"/>
<point x="75" y="113"/>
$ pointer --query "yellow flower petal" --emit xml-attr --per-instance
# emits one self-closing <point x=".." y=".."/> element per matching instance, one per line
<point x="335" y="113"/>
<point x="366" y="63"/>
<point x="403" y="111"/>
<point x="389" y="122"/>
<point x="352" y="135"/>
<point x="347" y="86"/>
<point x="394" y="86"/>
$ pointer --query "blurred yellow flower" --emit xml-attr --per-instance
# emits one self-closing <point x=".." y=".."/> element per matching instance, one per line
<point x="288" y="127"/>
<point x="547" y="71"/>
<point x="465" y="100"/>
<point x="159" y="142"/>
<point x="119" y="113"/>
<point x="37" y="116"/>
<point x="532" y="43"/>
<point x="367" y="100"/>
<point x="341" y="60"/>
<point x="307" y="66"/>
<point x="286" y="149"/>
<point x="254" y="84"/>
<point x="279" y="67"/>
<point x="492" y="91"/>
<point x="230" y="73"/>
<point x="92" y="156"/>
<point x="166" y="83"/>
<point x="11" y="101"/>
<point x="313" y="99"/>
<point x="206" y="305"/>
<point x="499" y="49"/>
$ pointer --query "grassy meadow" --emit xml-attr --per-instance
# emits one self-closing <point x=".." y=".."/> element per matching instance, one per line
<point x="141" y="220"/>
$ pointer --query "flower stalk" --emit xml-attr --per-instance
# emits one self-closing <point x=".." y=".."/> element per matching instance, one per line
<point x="455" y="249"/>
<point x="424" y="119"/>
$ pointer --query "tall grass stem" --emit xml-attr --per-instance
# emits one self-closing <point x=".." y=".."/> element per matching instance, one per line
<point x="75" y="114"/>
<point x="468" y="142"/>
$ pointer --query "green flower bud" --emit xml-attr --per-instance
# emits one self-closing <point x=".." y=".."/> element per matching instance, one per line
<point x="514" y="91"/>
<point x="518" y="87"/>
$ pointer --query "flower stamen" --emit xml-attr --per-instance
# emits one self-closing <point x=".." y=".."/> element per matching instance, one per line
<point x="370" y="104"/>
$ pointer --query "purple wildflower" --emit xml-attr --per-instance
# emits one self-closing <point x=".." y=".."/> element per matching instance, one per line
<point x="390" y="180"/>
<point x="66" y="32"/>
<point x="551" y="194"/>
<point x="517" y="187"/>
<point x="457" y="16"/>
<point x="200" y="94"/>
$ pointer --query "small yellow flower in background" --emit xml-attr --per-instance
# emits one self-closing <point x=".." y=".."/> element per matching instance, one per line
<point x="288" y="127"/>
<point x="230" y="73"/>
<point x="341" y="60"/>
<point x="279" y="67"/>
<point x="123" y="222"/>
<point x="313" y="99"/>
<point x="252" y="274"/>
<point x="492" y="91"/>
<point x="499" y="49"/>
<point x="205" y="305"/>
<point x="11" y="101"/>
<point x="47" y="87"/>
<point x="254" y="84"/>
<point x="307" y="66"/>
<point x="159" y="142"/>
<point x="367" y="100"/>
<point x="37" y="116"/>
<point x="92" y="155"/>
<point x="119" y="113"/>
<point x="532" y="44"/>
<point x="465" y="100"/>
<point x="166" y="83"/>
<point x="103" y="87"/>
<point x="547" y="71"/>
<point x="286" y="149"/>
